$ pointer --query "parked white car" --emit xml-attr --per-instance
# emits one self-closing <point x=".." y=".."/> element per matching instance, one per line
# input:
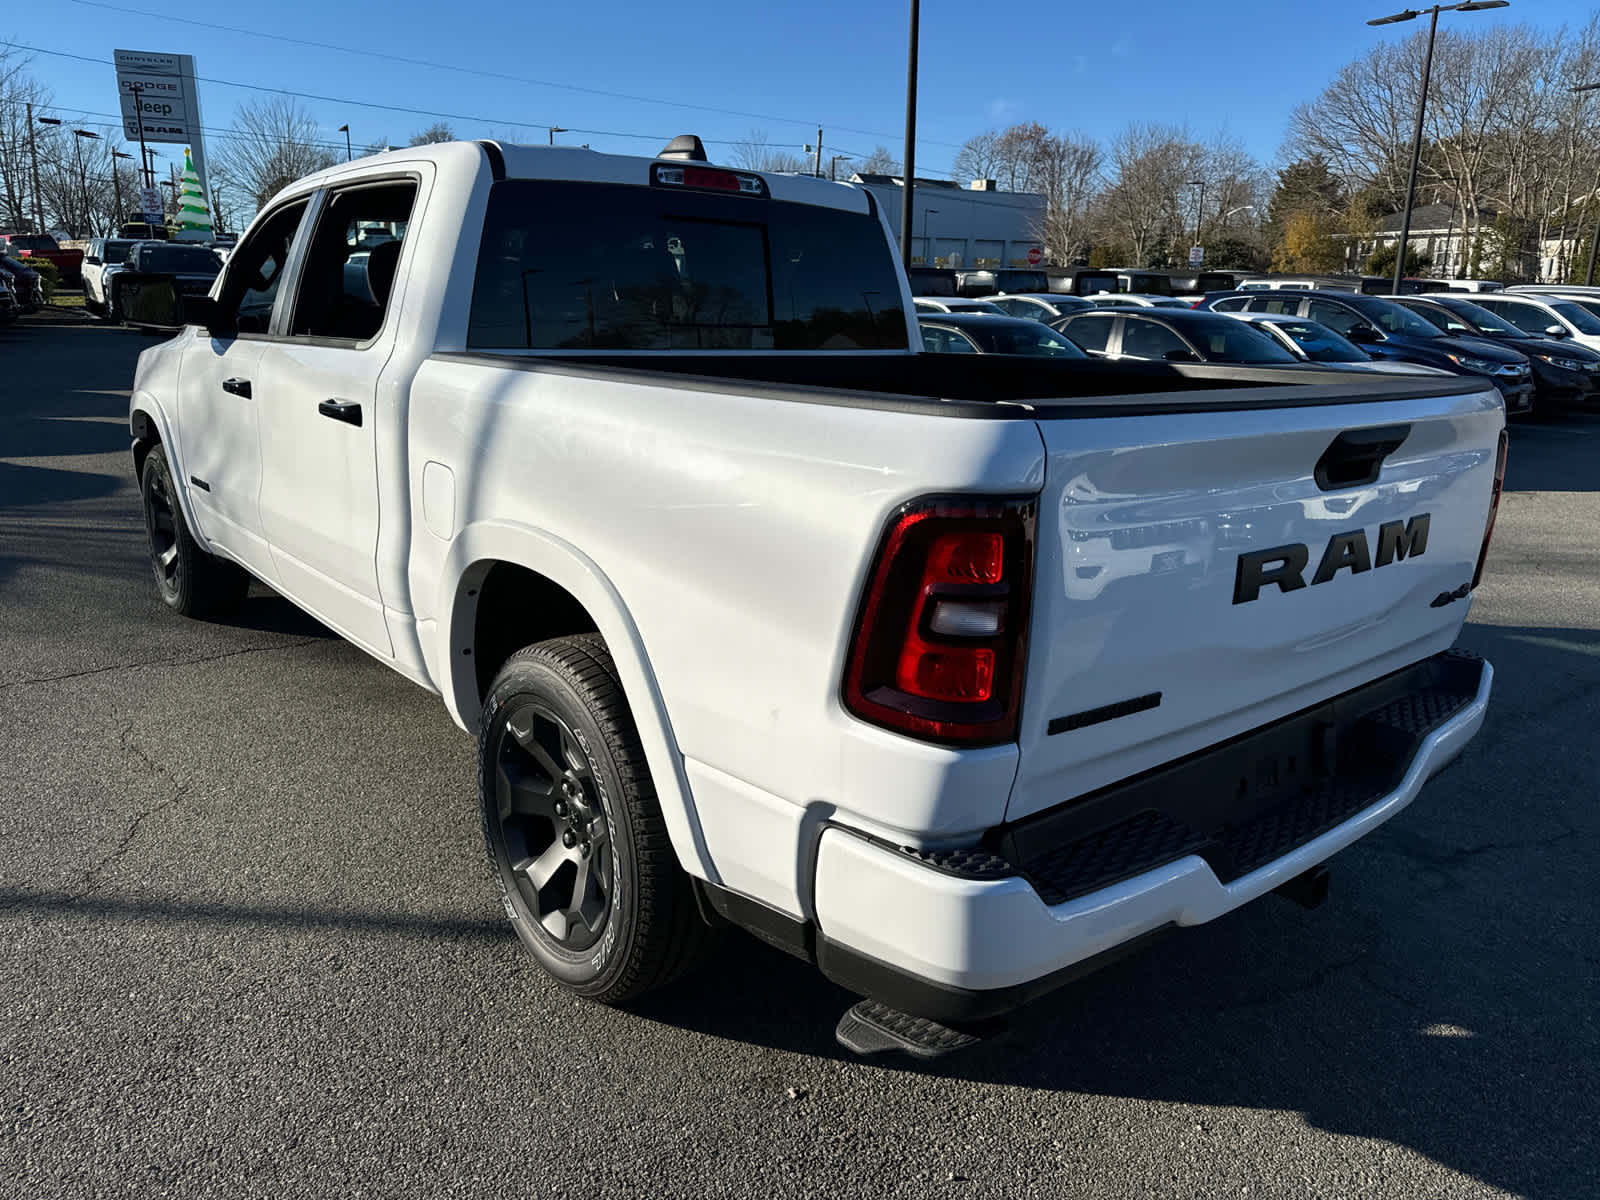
<point x="1136" y="300"/>
<point x="1544" y="315"/>
<point x="761" y="616"/>
<point x="958" y="304"/>
<point x="103" y="259"/>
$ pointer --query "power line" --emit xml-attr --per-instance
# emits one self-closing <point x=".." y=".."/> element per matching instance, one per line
<point x="486" y="74"/>
<point x="423" y="112"/>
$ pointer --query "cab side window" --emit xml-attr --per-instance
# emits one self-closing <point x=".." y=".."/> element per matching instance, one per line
<point x="350" y="267"/>
<point x="255" y="270"/>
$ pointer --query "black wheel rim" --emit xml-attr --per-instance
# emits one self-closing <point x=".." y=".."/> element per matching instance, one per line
<point x="553" y="828"/>
<point x="161" y="521"/>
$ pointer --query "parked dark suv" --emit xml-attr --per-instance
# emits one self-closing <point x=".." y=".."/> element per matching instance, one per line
<point x="1390" y="330"/>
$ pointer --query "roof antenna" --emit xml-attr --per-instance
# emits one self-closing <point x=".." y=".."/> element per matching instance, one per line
<point x="685" y="146"/>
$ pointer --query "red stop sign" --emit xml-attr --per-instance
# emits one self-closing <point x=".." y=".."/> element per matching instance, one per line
<point x="1035" y="256"/>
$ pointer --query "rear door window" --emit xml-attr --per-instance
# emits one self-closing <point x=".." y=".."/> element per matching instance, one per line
<point x="587" y="266"/>
<point x="1092" y="332"/>
<point x="1146" y="339"/>
<point x="1336" y="316"/>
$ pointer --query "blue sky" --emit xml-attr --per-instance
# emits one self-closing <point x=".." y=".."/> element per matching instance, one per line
<point x="1237" y="66"/>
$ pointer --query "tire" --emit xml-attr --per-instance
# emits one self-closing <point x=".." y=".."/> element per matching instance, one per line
<point x="574" y="833"/>
<point x="190" y="581"/>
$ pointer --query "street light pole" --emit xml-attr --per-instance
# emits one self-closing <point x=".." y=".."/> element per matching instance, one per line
<point x="348" y="155"/>
<point x="83" y="175"/>
<point x="555" y="129"/>
<point x="1422" y="102"/>
<point x="906" y="199"/>
<point x="833" y="165"/>
<point x="1200" y="209"/>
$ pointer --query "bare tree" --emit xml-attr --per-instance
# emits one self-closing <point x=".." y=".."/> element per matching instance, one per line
<point x="978" y="158"/>
<point x="437" y="132"/>
<point x="274" y="142"/>
<point x="18" y="88"/>
<point x="1150" y="166"/>
<point x="880" y="162"/>
<point x="754" y="154"/>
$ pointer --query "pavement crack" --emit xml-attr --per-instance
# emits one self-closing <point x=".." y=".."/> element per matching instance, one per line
<point x="163" y="662"/>
<point x="132" y="748"/>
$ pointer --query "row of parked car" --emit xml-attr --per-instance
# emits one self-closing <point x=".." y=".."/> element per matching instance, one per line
<point x="1540" y="348"/>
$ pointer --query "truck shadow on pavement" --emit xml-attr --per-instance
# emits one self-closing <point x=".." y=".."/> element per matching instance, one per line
<point x="1442" y="1000"/>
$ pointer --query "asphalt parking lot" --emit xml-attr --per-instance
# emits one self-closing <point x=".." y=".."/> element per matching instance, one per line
<point x="248" y="945"/>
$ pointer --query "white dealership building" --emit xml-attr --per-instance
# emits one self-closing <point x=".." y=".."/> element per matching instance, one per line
<point x="955" y="226"/>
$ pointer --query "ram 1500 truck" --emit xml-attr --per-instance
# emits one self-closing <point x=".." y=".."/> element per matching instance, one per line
<point x="952" y="676"/>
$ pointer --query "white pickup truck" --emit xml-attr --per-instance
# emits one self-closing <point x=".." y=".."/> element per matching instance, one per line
<point x="952" y="675"/>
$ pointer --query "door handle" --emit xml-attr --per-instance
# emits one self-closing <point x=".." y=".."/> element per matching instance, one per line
<point x="239" y="387"/>
<point x="347" y="411"/>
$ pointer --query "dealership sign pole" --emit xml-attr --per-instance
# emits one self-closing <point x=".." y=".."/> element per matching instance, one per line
<point x="161" y="102"/>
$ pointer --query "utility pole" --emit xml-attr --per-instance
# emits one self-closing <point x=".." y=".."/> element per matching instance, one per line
<point x="345" y="129"/>
<point x="33" y="152"/>
<point x="116" y="186"/>
<point x="906" y="199"/>
<point x="817" y="170"/>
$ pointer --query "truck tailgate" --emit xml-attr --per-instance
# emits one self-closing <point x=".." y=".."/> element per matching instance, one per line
<point x="1198" y="576"/>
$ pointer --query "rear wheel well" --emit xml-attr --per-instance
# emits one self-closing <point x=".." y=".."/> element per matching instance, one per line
<point x="144" y="437"/>
<point x="517" y="607"/>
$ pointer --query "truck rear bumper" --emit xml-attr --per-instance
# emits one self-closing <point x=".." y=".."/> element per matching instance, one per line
<point x="964" y="937"/>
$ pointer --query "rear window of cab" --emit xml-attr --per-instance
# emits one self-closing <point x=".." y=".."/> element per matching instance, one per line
<point x="592" y="266"/>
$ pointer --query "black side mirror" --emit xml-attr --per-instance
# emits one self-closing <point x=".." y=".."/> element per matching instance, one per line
<point x="1365" y="333"/>
<point x="207" y="313"/>
<point x="1181" y="356"/>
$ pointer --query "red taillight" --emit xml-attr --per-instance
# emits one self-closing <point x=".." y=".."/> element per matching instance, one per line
<point x="938" y="648"/>
<point x="1494" y="504"/>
